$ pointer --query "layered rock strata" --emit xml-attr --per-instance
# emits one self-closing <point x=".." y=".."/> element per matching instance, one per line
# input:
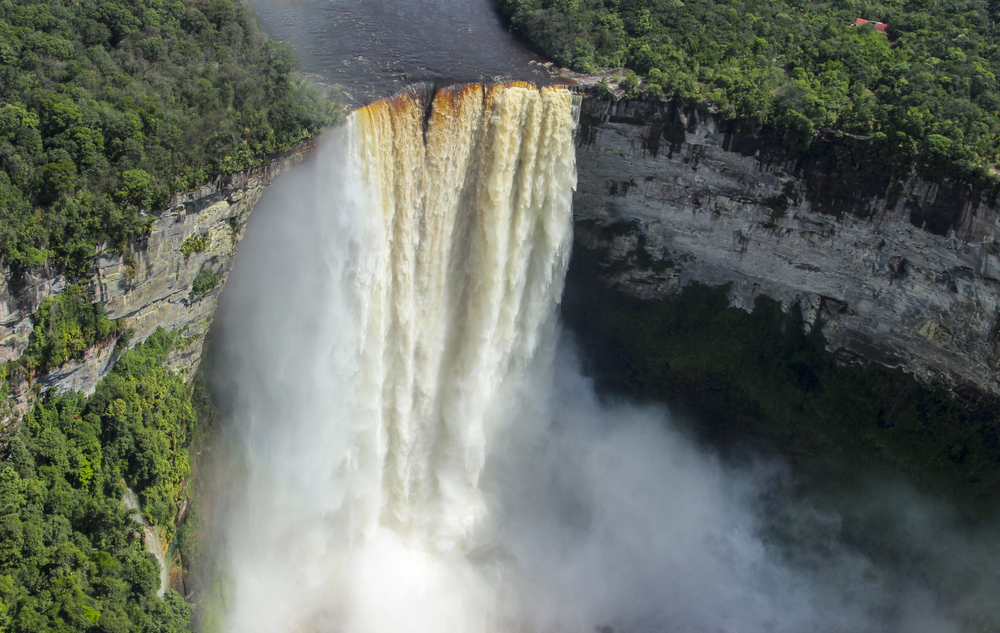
<point x="151" y="284"/>
<point x="899" y="270"/>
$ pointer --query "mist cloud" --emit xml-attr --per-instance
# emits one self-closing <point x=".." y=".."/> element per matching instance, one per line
<point x="613" y="517"/>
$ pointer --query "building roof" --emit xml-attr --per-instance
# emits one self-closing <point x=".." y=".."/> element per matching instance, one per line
<point x="881" y="27"/>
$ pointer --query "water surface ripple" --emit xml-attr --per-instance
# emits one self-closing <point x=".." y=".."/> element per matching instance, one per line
<point x="375" y="48"/>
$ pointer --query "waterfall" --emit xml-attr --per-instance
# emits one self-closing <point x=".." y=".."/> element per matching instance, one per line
<point x="470" y="255"/>
<point x="418" y="454"/>
<point x="442" y="236"/>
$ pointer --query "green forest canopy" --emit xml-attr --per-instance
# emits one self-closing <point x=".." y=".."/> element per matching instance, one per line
<point x="927" y="90"/>
<point x="72" y="558"/>
<point x="109" y="107"/>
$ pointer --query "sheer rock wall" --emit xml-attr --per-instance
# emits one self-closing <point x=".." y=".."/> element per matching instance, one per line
<point x="899" y="270"/>
<point x="150" y="285"/>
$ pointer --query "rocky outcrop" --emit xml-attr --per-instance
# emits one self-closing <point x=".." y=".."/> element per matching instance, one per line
<point x="899" y="270"/>
<point x="150" y="285"/>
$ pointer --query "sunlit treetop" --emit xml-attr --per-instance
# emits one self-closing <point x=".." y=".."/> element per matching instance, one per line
<point x="108" y="108"/>
<point x="923" y="84"/>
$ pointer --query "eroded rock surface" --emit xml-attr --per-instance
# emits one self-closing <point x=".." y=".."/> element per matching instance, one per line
<point x="901" y="271"/>
<point x="151" y="284"/>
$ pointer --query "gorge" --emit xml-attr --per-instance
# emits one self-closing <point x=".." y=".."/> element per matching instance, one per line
<point x="875" y="271"/>
<point x="904" y="272"/>
<point x="639" y="239"/>
<point x="454" y="473"/>
<point x="725" y="384"/>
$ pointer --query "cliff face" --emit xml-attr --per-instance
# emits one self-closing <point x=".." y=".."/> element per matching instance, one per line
<point x="900" y="271"/>
<point x="151" y="284"/>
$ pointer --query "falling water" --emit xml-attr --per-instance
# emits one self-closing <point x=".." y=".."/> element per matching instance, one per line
<point x="442" y="239"/>
<point x="151" y="537"/>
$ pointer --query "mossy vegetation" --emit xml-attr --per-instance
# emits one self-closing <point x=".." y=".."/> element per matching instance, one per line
<point x="204" y="281"/>
<point x="925" y="91"/>
<point x="65" y="327"/>
<point x="194" y="244"/>
<point x="765" y="379"/>
<point x="71" y="556"/>
<point x="108" y="108"/>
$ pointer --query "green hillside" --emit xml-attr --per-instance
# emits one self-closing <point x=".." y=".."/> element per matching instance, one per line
<point x="107" y="108"/>
<point x="71" y="556"/>
<point x="925" y="90"/>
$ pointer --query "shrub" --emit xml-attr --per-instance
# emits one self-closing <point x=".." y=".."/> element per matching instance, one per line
<point x="194" y="244"/>
<point x="603" y="89"/>
<point x="204" y="281"/>
<point x="65" y="327"/>
<point x="629" y="82"/>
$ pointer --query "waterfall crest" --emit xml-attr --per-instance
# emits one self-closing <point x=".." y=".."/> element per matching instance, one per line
<point x="445" y="230"/>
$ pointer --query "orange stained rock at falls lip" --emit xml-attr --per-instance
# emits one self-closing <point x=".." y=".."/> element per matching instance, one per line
<point x="447" y="101"/>
<point x="518" y="84"/>
<point x="396" y="104"/>
<point x="403" y="103"/>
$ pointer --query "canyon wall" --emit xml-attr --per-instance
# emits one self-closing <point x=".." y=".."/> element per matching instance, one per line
<point x="150" y="285"/>
<point x="899" y="270"/>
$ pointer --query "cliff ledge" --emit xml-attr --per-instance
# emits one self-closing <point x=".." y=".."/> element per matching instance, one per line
<point x="898" y="270"/>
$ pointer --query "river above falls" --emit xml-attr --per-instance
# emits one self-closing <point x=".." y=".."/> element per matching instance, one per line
<point x="375" y="49"/>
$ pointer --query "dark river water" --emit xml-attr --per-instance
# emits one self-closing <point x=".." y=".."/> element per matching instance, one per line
<point x="373" y="48"/>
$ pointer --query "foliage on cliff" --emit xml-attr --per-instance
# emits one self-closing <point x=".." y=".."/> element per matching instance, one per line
<point x="65" y="327"/>
<point x="107" y="108"/>
<point x="204" y="281"/>
<point x="71" y="556"/>
<point x="927" y="91"/>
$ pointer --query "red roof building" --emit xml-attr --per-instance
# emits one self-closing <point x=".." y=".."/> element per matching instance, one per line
<point x="881" y="27"/>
